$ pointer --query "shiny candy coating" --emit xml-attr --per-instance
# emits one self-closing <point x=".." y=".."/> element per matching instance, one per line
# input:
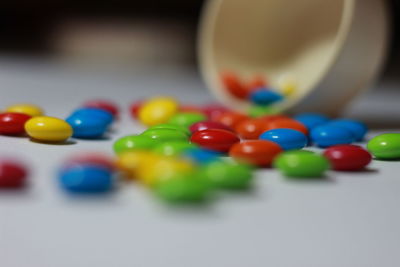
<point x="133" y="142"/>
<point x="234" y="86"/>
<point x="287" y="139"/>
<point x="13" y="174"/>
<point x="48" y="129"/>
<point x="86" y="179"/>
<point x="215" y="139"/>
<point x="186" y="119"/>
<point x="12" y="123"/>
<point x="201" y="156"/>
<point x="204" y="125"/>
<point x="348" y="157"/>
<point x="214" y="110"/>
<point x="327" y="135"/>
<point x="97" y="113"/>
<point x="185" y="130"/>
<point x="385" y="146"/>
<point x="287" y="123"/>
<point x="250" y="128"/>
<point x="89" y="127"/>
<point x="357" y="128"/>
<point x="231" y="118"/>
<point x="302" y="164"/>
<point x="256" y="152"/>
<point x="311" y="120"/>
<point x="265" y="97"/>
<point x="103" y="104"/>
<point x="173" y="148"/>
<point x="157" y="110"/>
<point x="29" y="109"/>
<point x="165" y="134"/>
<point x="131" y="162"/>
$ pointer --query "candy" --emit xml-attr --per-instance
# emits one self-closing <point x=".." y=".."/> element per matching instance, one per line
<point x="256" y="152"/>
<point x="13" y="123"/>
<point x="100" y="114"/>
<point x="86" y="179"/>
<point x="274" y="117"/>
<point x="256" y="82"/>
<point x="214" y="110"/>
<point x="103" y="104"/>
<point x="265" y="97"/>
<point x="327" y="135"/>
<point x="385" y="146"/>
<point x="29" y="109"/>
<point x="135" y="107"/>
<point x="311" y="120"/>
<point x="157" y="110"/>
<point x="287" y="85"/>
<point x="287" y="123"/>
<point x="358" y="129"/>
<point x="250" y="128"/>
<point x="133" y="142"/>
<point x="287" y="139"/>
<point x="230" y="175"/>
<point x="184" y="130"/>
<point x="130" y="162"/>
<point x="347" y="157"/>
<point x="256" y="111"/>
<point x="173" y="148"/>
<point x="90" y="158"/>
<point x="301" y="164"/>
<point x="48" y="129"/>
<point x="201" y="156"/>
<point x="186" y="119"/>
<point x="204" y="125"/>
<point x="85" y="126"/>
<point x="215" y="139"/>
<point x="164" y="134"/>
<point x="12" y="174"/>
<point x="230" y="118"/>
<point x="190" y="108"/>
<point x="234" y="86"/>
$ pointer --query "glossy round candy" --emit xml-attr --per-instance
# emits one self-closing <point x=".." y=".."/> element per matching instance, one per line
<point x="311" y="120"/>
<point x="302" y="164"/>
<point x="214" y="110"/>
<point x="234" y="86"/>
<point x="348" y="157"/>
<point x="357" y="128"/>
<point x="215" y="139"/>
<point x="327" y="135"/>
<point x="287" y="123"/>
<point x="130" y="162"/>
<point x="103" y="104"/>
<point x="12" y="174"/>
<point x="171" y="126"/>
<point x="86" y="179"/>
<point x="231" y="118"/>
<point x="165" y="134"/>
<point x="229" y="175"/>
<point x="264" y="96"/>
<point x="133" y="142"/>
<point x="256" y="152"/>
<point x="13" y="123"/>
<point x="204" y="125"/>
<point x="157" y="110"/>
<point x="48" y="129"/>
<point x="29" y="109"/>
<point x="95" y="113"/>
<point x="186" y="119"/>
<point x="135" y="107"/>
<point x="250" y="128"/>
<point x="85" y="126"/>
<point x="287" y="139"/>
<point x="385" y="146"/>
<point x="201" y="156"/>
<point x="91" y="158"/>
<point x="173" y="148"/>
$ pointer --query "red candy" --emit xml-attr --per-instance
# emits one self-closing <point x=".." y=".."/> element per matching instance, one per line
<point x="214" y="110"/>
<point x="234" y="86"/>
<point x="215" y="139"/>
<point x="102" y="104"/>
<point x="256" y="83"/>
<point x="134" y="108"/>
<point x="12" y="174"/>
<point x="231" y="118"/>
<point x="204" y="125"/>
<point x="97" y="159"/>
<point x="348" y="157"/>
<point x="13" y="123"/>
<point x="251" y="128"/>
<point x="257" y="152"/>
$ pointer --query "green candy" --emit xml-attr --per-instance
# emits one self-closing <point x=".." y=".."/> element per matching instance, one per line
<point x="171" y="126"/>
<point x="173" y="148"/>
<point x="229" y="175"/>
<point x="258" y="111"/>
<point x="186" y="119"/>
<point x="302" y="164"/>
<point x="133" y="142"/>
<point x="182" y="188"/>
<point x="385" y="146"/>
<point x="163" y="135"/>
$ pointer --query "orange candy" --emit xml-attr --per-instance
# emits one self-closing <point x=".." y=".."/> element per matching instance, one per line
<point x="257" y="82"/>
<point x="234" y="85"/>
<point x="287" y="123"/>
<point x="270" y="118"/>
<point x="251" y="128"/>
<point x="231" y="118"/>
<point x="257" y="152"/>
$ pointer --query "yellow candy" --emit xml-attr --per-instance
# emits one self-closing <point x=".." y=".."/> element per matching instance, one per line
<point x="28" y="109"/>
<point x="48" y="129"/>
<point x="157" y="110"/>
<point x="287" y="85"/>
<point x="129" y="162"/>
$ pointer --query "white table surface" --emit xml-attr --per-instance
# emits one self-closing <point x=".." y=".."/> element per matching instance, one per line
<point x="350" y="219"/>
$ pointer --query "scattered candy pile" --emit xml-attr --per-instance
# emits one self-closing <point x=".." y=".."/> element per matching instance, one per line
<point x="187" y="152"/>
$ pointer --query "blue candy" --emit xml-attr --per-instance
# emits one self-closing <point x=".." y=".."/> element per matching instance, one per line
<point x="85" y="126"/>
<point x="265" y="97"/>
<point x="86" y="179"/>
<point x="202" y="156"/>
<point x="311" y="120"/>
<point x="358" y="129"/>
<point x="328" y="135"/>
<point x="106" y="116"/>
<point x="287" y="139"/>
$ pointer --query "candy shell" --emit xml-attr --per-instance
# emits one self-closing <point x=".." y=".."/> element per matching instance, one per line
<point x="256" y="152"/>
<point x="12" y="123"/>
<point x="215" y="139"/>
<point x="348" y="157"/>
<point x="385" y="146"/>
<point x="287" y="139"/>
<point x="48" y="129"/>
